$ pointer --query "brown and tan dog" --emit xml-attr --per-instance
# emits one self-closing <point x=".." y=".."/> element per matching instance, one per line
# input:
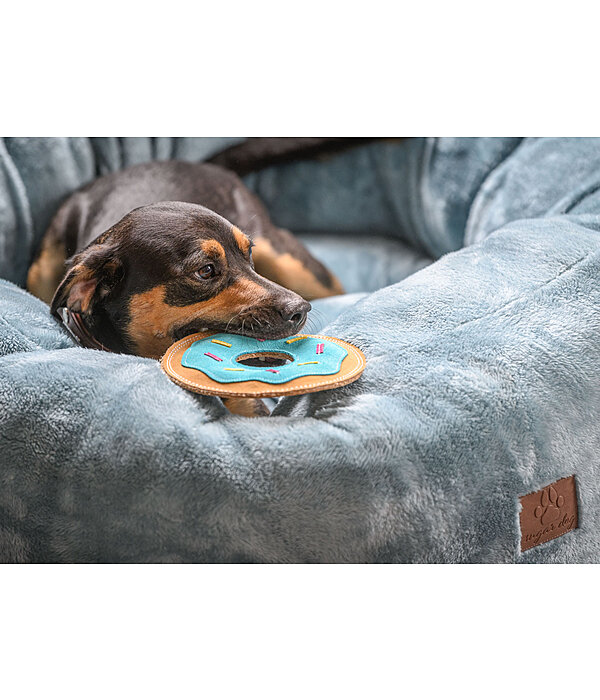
<point x="162" y="250"/>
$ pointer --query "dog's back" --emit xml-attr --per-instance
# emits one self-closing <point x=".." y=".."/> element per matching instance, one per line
<point x="91" y="211"/>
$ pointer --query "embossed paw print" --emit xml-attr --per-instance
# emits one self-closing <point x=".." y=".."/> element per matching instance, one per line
<point x="550" y="504"/>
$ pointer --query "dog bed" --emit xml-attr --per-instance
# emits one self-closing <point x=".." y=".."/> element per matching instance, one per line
<point x="480" y="398"/>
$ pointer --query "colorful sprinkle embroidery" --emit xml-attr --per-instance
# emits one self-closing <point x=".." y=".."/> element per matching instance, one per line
<point x="301" y="359"/>
<point x="293" y="340"/>
<point x="214" y="357"/>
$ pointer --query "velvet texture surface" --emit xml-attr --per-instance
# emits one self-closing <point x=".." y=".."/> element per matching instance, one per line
<point x="481" y="382"/>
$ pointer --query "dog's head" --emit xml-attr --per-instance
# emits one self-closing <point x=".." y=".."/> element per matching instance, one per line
<point x="170" y="269"/>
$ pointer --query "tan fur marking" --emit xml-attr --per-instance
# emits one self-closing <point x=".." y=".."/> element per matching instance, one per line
<point x="290" y="272"/>
<point x="241" y="239"/>
<point x="153" y="320"/>
<point x="251" y="408"/>
<point x="214" y="248"/>
<point x="81" y="291"/>
<point x="47" y="271"/>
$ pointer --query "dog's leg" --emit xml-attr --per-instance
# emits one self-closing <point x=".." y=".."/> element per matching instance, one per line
<point x="281" y="258"/>
<point x="58" y="244"/>
<point x="251" y="408"/>
<point x="48" y="268"/>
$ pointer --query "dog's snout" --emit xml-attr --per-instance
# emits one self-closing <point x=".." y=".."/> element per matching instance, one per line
<point x="295" y="313"/>
<point x="279" y="315"/>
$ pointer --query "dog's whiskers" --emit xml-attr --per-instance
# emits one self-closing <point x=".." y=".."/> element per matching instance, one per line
<point x="230" y="320"/>
<point x="315" y="321"/>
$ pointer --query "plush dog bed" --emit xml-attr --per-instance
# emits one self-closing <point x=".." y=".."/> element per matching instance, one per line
<point x="482" y="383"/>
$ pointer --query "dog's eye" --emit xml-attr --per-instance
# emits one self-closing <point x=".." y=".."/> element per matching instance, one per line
<point x="206" y="272"/>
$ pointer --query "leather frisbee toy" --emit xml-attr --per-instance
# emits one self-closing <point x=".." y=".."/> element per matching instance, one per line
<point x="229" y="365"/>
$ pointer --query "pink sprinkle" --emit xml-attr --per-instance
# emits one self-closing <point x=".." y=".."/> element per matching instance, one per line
<point x="261" y="340"/>
<point x="214" y="357"/>
<point x="320" y="347"/>
<point x="275" y="371"/>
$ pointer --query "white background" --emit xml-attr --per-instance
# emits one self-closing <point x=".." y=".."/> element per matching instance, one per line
<point x="290" y="69"/>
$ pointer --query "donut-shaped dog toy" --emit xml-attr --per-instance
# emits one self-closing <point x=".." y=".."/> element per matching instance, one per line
<point x="234" y="365"/>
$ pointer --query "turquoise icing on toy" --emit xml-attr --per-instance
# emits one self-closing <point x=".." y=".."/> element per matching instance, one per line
<point x="217" y="357"/>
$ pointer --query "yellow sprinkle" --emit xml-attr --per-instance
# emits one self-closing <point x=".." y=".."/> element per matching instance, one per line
<point x="231" y="369"/>
<point x="314" y="362"/>
<point x="220" y="342"/>
<point x="293" y="340"/>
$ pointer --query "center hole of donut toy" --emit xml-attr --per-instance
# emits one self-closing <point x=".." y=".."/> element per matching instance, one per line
<point x="264" y="359"/>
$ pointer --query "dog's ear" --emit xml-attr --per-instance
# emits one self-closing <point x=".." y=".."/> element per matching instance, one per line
<point x="95" y="272"/>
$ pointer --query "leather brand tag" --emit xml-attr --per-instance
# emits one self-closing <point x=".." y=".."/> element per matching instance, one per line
<point x="548" y="513"/>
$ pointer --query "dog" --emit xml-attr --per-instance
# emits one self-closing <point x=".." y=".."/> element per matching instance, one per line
<point x="143" y="257"/>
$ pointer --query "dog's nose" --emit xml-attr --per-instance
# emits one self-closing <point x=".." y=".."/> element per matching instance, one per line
<point x="295" y="313"/>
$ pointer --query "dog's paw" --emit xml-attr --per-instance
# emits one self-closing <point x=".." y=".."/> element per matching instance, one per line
<point x="550" y="504"/>
<point x="251" y="408"/>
